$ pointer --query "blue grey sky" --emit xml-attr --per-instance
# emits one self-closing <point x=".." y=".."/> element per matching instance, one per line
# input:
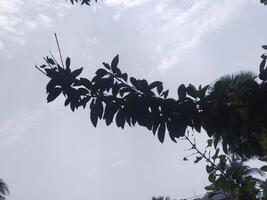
<point x="48" y="152"/>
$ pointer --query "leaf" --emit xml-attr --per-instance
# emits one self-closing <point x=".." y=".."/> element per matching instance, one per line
<point x="209" y="169"/>
<point x="43" y="66"/>
<point x="155" y="84"/>
<point x="52" y="95"/>
<point x="209" y="141"/>
<point x="77" y="72"/>
<point x="120" y="119"/>
<point x="215" y="154"/>
<point x="67" y="62"/>
<point x="101" y="72"/>
<point x="192" y="91"/>
<point x="86" y="83"/>
<point x="262" y="65"/>
<point x="165" y="94"/>
<point x="114" y="63"/>
<point x="198" y="158"/>
<point x="51" y="61"/>
<point x="93" y="114"/>
<point x="264" y="47"/>
<point x="210" y="187"/>
<point x="159" y="88"/>
<point x="161" y="132"/>
<point x="124" y="76"/>
<point x="264" y="168"/>
<point x="82" y="91"/>
<point x="212" y="178"/>
<point x="182" y="92"/>
<point x="67" y="101"/>
<point x="99" y="108"/>
<point x="185" y="159"/>
<point x="51" y="85"/>
<point x="106" y="65"/>
<point x="134" y="83"/>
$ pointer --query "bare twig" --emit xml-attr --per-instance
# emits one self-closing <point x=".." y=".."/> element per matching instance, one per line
<point x="59" y="51"/>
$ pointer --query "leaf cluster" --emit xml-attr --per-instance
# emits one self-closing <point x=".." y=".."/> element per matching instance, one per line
<point x="232" y="110"/>
<point x="86" y="2"/>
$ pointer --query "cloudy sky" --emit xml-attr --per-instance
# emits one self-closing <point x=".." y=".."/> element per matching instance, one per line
<point x="48" y="152"/>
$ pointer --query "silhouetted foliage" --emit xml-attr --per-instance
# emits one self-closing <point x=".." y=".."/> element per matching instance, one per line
<point x="4" y="191"/>
<point x="233" y="110"/>
<point x="87" y="2"/>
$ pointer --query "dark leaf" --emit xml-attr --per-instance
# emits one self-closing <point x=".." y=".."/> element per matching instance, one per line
<point x="106" y="65"/>
<point x="51" y="61"/>
<point x="77" y="72"/>
<point x="165" y="94"/>
<point x="212" y="178"/>
<point x="215" y="154"/>
<point x="198" y="158"/>
<point x="124" y="76"/>
<point x="154" y="84"/>
<point x="67" y="63"/>
<point x="52" y="95"/>
<point x="101" y="72"/>
<point x="209" y="169"/>
<point x="93" y="114"/>
<point x="161" y="132"/>
<point x="262" y="65"/>
<point x="264" y="168"/>
<point x="135" y="83"/>
<point x="114" y="63"/>
<point x="67" y="101"/>
<point x="191" y="91"/>
<point x="120" y="119"/>
<point x="82" y="91"/>
<point x="182" y="92"/>
<point x="185" y="159"/>
<point x="86" y="83"/>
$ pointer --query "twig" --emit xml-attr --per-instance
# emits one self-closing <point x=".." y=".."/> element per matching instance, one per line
<point x="59" y="51"/>
<point x="40" y="70"/>
<point x="217" y="168"/>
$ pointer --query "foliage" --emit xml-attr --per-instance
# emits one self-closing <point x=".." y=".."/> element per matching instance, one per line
<point x="87" y="2"/>
<point x="232" y="111"/>
<point x="4" y="191"/>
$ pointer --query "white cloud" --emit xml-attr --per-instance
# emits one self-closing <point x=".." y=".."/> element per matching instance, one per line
<point x="44" y="20"/>
<point x="12" y="129"/>
<point x="19" y="18"/>
<point x="185" y="27"/>
<point x="125" y="3"/>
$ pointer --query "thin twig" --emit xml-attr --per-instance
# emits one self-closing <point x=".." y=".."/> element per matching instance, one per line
<point x="40" y="70"/>
<point x="217" y="168"/>
<point x="59" y="51"/>
<point x="53" y="57"/>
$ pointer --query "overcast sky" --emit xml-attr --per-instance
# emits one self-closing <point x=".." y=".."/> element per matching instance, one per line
<point x="48" y="152"/>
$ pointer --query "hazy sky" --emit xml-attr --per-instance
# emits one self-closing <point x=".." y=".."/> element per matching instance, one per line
<point x="48" y="152"/>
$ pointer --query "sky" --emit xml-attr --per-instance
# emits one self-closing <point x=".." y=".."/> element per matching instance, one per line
<point x="47" y="152"/>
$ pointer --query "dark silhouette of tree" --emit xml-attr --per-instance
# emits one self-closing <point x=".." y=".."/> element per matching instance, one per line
<point x="87" y="2"/>
<point x="232" y="111"/>
<point x="4" y="191"/>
